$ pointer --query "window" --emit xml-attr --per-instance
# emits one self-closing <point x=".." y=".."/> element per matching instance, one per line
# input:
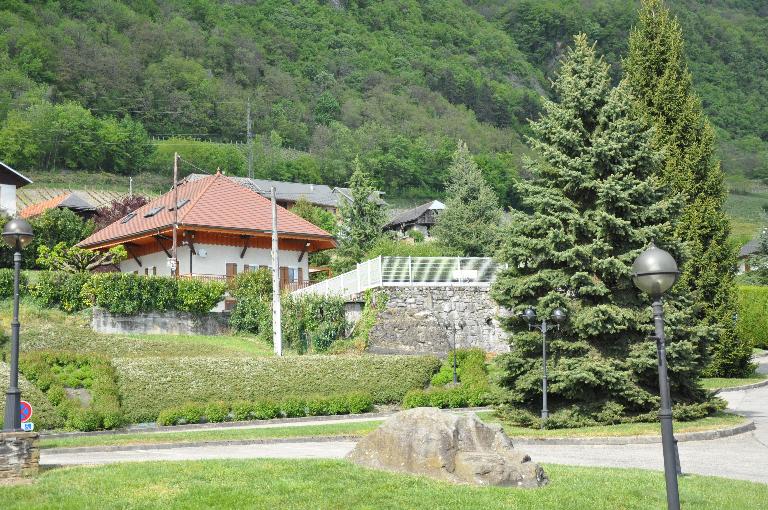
<point x="247" y="268"/>
<point x="153" y="211"/>
<point x="294" y="274"/>
<point x="181" y="203"/>
<point x="128" y="217"/>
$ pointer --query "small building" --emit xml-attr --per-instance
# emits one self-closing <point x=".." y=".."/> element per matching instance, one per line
<point x="746" y="254"/>
<point x="10" y="181"/>
<point x="421" y="218"/>
<point x="223" y="228"/>
<point x="288" y="193"/>
<point x="67" y="200"/>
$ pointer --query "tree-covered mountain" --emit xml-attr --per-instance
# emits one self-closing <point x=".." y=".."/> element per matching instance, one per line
<point x="83" y="83"/>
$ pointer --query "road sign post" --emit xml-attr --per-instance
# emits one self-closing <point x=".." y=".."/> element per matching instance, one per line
<point x="25" y="411"/>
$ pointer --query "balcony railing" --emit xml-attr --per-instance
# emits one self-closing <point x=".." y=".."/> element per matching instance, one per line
<point x="409" y="272"/>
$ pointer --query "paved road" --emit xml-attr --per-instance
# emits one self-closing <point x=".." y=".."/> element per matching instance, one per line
<point x="742" y="457"/>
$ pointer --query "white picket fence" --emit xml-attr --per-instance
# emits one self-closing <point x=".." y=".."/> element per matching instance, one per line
<point x="409" y="272"/>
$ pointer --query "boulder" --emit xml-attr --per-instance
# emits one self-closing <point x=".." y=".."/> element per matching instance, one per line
<point x="449" y="447"/>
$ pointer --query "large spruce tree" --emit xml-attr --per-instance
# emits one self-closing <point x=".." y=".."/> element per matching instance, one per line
<point x="657" y="74"/>
<point x="594" y="203"/>
<point x="470" y="221"/>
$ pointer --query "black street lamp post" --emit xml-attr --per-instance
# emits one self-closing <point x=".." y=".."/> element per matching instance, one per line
<point x="654" y="272"/>
<point x="558" y="316"/>
<point x="17" y="233"/>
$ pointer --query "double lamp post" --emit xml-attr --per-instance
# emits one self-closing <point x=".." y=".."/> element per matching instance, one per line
<point x="17" y="233"/>
<point x="654" y="272"/>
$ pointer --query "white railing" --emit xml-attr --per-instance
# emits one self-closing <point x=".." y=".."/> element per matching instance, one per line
<point x="409" y="272"/>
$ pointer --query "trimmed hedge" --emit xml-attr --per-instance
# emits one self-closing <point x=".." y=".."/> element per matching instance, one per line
<point x="290" y="407"/>
<point x="127" y="293"/>
<point x="150" y="385"/>
<point x="447" y="398"/>
<point x="6" y="283"/>
<point x="53" y="372"/>
<point x="752" y="325"/>
<point x="57" y="289"/>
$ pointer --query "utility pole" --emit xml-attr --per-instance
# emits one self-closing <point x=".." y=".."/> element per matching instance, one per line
<point x="175" y="263"/>
<point x="277" y="333"/>
<point x="249" y="139"/>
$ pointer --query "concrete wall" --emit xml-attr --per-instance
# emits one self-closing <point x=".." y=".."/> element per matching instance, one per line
<point x="19" y="454"/>
<point x="215" y="260"/>
<point x="423" y="320"/>
<point x="173" y="323"/>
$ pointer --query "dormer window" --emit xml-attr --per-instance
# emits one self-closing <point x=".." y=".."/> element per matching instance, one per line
<point x="181" y="203"/>
<point x="153" y="211"/>
<point x="128" y="217"/>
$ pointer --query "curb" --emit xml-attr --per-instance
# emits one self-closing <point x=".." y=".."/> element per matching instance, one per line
<point x="153" y="428"/>
<point x="197" y="444"/>
<point x="704" y="435"/>
<point x="742" y="388"/>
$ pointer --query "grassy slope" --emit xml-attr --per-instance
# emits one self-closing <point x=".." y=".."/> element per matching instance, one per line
<point x="714" y="383"/>
<point x="336" y="484"/>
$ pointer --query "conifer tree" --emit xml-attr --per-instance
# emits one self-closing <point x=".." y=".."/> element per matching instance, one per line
<point x="470" y="221"/>
<point x="657" y="74"/>
<point x="362" y="220"/>
<point x="595" y="204"/>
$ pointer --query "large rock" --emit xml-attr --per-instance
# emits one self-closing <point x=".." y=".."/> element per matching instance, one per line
<point x="446" y="446"/>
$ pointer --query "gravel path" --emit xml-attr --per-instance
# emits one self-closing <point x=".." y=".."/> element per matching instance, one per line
<point x="742" y="457"/>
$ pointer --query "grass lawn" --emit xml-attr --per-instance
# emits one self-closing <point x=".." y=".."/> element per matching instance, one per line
<point x="717" y="421"/>
<point x="321" y="484"/>
<point x="746" y="214"/>
<point x="46" y="329"/>
<point x="713" y="383"/>
<point x="331" y="429"/>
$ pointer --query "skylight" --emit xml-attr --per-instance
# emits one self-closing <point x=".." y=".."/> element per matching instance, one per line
<point x="128" y="217"/>
<point x="181" y="203"/>
<point x="153" y="211"/>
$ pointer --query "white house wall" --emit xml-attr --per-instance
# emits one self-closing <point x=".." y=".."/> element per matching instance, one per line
<point x="216" y="260"/>
<point x="8" y="199"/>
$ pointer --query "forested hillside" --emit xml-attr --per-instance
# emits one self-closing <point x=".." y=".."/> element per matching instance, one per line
<point x="87" y="84"/>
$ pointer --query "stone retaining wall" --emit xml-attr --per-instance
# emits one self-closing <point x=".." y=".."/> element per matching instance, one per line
<point x="19" y="454"/>
<point x="421" y="320"/>
<point x="174" y="323"/>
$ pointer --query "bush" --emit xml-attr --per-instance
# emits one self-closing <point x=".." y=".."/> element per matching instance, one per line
<point x="52" y="372"/>
<point x="447" y="398"/>
<point x="253" y="310"/>
<point x="416" y="235"/>
<point x="752" y="325"/>
<point x="126" y="293"/>
<point x="149" y="385"/>
<point x="290" y="407"/>
<point x="58" y="289"/>
<point x="313" y="320"/>
<point x="45" y="415"/>
<point x="470" y="368"/>
<point x="6" y="283"/>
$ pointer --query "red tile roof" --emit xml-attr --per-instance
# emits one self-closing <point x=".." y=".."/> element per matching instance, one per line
<point x="215" y="203"/>
<point x="41" y="207"/>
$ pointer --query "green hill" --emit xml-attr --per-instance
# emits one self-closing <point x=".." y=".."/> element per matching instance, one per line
<point x="101" y="85"/>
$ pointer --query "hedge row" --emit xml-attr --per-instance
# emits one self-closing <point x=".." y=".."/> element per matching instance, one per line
<point x="753" y="315"/>
<point x="474" y="389"/>
<point x="447" y="398"/>
<point x="54" y="372"/>
<point x="125" y="293"/>
<point x="150" y="385"/>
<point x="215" y="412"/>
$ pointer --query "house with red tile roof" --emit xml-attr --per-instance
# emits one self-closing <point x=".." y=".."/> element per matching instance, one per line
<point x="222" y="229"/>
<point x="66" y="200"/>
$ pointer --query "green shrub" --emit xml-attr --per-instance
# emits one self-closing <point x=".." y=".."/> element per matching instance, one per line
<point x="127" y="293"/>
<point x="253" y="310"/>
<point x="291" y="407"/>
<point x="447" y="398"/>
<point x="752" y="325"/>
<point x="416" y="235"/>
<point x="415" y="398"/>
<point x="470" y="369"/>
<point x="45" y="415"/>
<point x="197" y="296"/>
<point x="52" y="372"/>
<point x="149" y="385"/>
<point x="6" y="283"/>
<point x="317" y="320"/>
<point x="58" y="289"/>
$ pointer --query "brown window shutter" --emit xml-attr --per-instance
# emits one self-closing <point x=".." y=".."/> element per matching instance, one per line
<point x="146" y="271"/>
<point x="231" y="269"/>
<point x="154" y="270"/>
<point x="283" y="276"/>
<point x="246" y="268"/>
<point x="301" y="274"/>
